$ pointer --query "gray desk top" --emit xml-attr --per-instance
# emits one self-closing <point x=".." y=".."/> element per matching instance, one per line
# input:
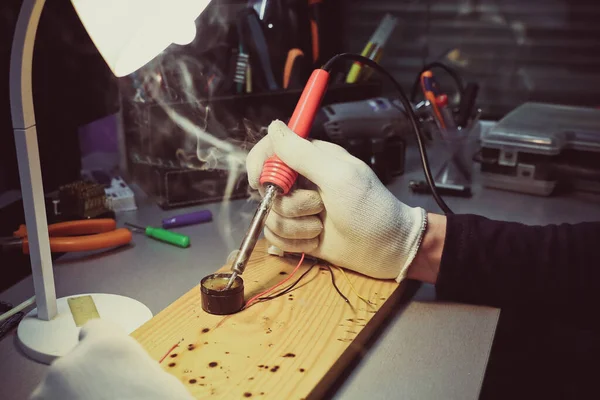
<point x="428" y="350"/>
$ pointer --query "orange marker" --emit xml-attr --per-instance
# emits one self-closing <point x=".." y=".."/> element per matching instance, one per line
<point x="429" y="88"/>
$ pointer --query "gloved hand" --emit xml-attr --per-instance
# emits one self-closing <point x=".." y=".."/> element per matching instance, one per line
<point x="348" y="217"/>
<point x="108" y="364"/>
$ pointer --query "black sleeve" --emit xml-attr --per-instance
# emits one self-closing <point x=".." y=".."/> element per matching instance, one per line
<point x="505" y="263"/>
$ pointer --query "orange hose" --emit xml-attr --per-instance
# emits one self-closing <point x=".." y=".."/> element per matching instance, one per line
<point x="73" y="228"/>
<point x="98" y="241"/>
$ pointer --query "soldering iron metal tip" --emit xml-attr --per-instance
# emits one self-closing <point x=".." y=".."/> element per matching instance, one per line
<point x="231" y="280"/>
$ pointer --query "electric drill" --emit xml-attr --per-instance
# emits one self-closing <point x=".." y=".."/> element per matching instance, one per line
<point x="276" y="177"/>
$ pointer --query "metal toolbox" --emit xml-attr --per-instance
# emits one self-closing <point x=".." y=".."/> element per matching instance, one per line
<point x="538" y="147"/>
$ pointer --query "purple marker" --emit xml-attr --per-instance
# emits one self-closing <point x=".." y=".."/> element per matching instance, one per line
<point x="197" y="217"/>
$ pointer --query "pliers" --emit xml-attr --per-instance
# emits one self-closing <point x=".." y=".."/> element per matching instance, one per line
<point x="72" y="236"/>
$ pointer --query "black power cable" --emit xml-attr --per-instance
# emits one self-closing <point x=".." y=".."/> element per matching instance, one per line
<point x="409" y="111"/>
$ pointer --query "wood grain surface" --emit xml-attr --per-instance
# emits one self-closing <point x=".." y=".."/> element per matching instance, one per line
<point x="292" y="347"/>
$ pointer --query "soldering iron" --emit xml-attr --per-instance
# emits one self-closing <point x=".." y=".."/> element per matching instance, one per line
<point x="278" y="179"/>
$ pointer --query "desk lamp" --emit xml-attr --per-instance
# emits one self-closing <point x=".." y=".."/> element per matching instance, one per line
<point x="128" y="34"/>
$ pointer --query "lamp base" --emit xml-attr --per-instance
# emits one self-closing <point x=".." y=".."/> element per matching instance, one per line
<point x="44" y="341"/>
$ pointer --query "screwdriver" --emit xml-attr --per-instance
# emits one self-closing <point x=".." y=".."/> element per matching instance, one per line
<point x="163" y="235"/>
<point x="197" y="217"/>
<point x="276" y="177"/>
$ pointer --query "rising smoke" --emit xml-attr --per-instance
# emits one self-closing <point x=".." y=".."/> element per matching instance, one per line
<point x="213" y="151"/>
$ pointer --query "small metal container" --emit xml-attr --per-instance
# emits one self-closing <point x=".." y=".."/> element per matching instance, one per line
<point x="217" y="301"/>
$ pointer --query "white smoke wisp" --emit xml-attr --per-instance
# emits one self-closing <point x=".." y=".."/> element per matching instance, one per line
<point x="211" y="152"/>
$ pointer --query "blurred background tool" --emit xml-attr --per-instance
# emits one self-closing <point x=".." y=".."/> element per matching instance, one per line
<point x="176" y="239"/>
<point x="447" y="114"/>
<point x="315" y="28"/>
<point x="241" y="69"/>
<point x="373" y="48"/>
<point x="279" y="30"/>
<point x="373" y="130"/>
<point x="72" y="236"/>
<point x="467" y="107"/>
<point x="539" y="147"/>
<point x="295" y="70"/>
<point x="253" y="36"/>
<point x="8" y="322"/>
<point x="431" y="91"/>
<point x="421" y="187"/>
<point x="454" y="176"/>
<point x="193" y="218"/>
<point x="119" y="196"/>
<point x="81" y="200"/>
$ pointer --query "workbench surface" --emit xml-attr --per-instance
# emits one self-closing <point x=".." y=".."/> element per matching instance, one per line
<point x="428" y="350"/>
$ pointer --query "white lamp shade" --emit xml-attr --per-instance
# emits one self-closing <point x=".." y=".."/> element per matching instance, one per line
<point x="130" y="33"/>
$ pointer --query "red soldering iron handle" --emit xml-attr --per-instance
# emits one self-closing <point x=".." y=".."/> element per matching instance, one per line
<point x="274" y="170"/>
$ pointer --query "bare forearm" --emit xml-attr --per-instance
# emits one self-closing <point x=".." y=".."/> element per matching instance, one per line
<point x="426" y="265"/>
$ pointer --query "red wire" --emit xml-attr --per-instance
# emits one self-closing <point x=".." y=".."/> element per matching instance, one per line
<point x="255" y="298"/>
<point x="168" y="352"/>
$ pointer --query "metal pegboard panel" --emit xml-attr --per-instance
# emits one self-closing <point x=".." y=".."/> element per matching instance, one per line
<point x="540" y="50"/>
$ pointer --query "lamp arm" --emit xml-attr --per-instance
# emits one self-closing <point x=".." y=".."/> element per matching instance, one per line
<point x="30" y="174"/>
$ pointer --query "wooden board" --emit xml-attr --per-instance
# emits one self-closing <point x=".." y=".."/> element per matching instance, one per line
<point x="293" y="347"/>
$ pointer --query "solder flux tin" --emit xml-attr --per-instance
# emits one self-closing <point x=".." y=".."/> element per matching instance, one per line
<point x="217" y="301"/>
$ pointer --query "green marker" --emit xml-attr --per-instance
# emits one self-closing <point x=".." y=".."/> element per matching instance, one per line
<point x="176" y="239"/>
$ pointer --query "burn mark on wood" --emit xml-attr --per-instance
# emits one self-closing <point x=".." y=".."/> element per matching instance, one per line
<point x="275" y="368"/>
<point x="172" y="364"/>
<point x="282" y="273"/>
<point x="213" y="364"/>
<point x="289" y="355"/>
<point x="301" y="370"/>
<point x="205" y="330"/>
<point x="191" y="347"/>
<point x="192" y="381"/>
<point x="247" y="394"/>
<point x="173" y="355"/>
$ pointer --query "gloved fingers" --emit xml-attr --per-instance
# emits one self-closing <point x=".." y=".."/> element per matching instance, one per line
<point x="291" y="245"/>
<point x="302" y="155"/>
<point x="298" y="203"/>
<point x="295" y="228"/>
<point x="337" y="151"/>
<point x="255" y="160"/>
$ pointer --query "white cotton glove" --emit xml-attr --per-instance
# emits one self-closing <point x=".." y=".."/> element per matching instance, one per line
<point x="108" y="364"/>
<point x="349" y="219"/>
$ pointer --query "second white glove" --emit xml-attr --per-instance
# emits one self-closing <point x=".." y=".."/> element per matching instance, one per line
<point x="107" y="364"/>
<point x="349" y="218"/>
